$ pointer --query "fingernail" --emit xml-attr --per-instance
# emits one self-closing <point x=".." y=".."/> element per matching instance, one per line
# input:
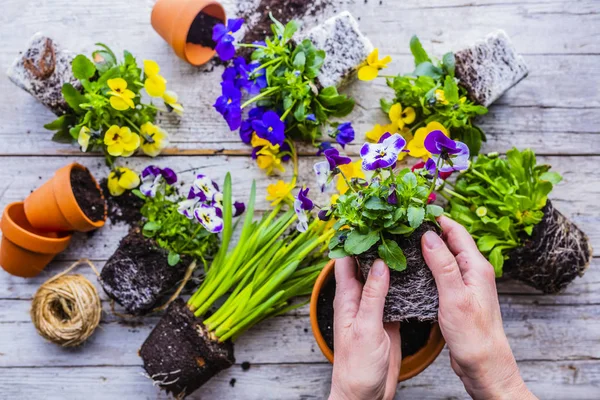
<point x="378" y="268"/>
<point x="431" y="240"/>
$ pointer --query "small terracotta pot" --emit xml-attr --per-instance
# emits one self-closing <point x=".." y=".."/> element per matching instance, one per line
<point x="25" y="251"/>
<point x="52" y="207"/>
<point x="172" y="19"/>
<point x="411" y="365"/>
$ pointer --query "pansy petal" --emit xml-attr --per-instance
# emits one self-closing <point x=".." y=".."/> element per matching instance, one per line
<point x="367" y="73"/>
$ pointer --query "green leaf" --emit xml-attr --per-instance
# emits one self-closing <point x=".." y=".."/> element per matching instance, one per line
<point x="428" y="69"/>
<point x="487" y="243"/>
<point x="471" y="136"/>
<point x="449" y="63"/>
<point x="392" y="255"/>
<point x="417" y="51"/>
<point x="497" y="260"/>
<point x="82" y="67"/>
<point x="434" y="210"/>
<point x="338" y="252"/>
<point x="451" y="90"/>
<point x="173" y="258"/>
<point x="358" y="243"/>
<point x="151" y="226"/>
<point x="375" y="203"/>
<point x="299" y="61"/>
<point x="401" y="229"/>
<point x="415" y="216"/>
<point x="73" y="97"/>
<point x="385" y="105"/>
<point x="290" y="28"/>
<point x="552" y="177"/>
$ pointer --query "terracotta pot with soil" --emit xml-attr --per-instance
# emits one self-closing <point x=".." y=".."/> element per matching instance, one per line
<point x="556" y="253"/>
<point x="25" y="251"/>
<point x="180" y="355"/>
<point x="187" y="26"/>
<point x="138" y="275"/>
<point x="422" y="341"/>
<point x="71" y="201"/>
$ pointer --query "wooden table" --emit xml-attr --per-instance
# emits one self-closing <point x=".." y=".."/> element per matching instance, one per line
<point x="555" y="111"/>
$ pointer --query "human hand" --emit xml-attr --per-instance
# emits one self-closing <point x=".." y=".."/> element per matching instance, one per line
<point x="367" y="351"/>
<point x="469" y="315"/>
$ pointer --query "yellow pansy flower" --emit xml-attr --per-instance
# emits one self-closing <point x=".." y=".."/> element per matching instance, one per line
<point x="121" y="97"/>
<point x="416" y="146"/>
<point x="257" y="141"/>
<point x="351" y="170"/>
<point x="84" y="138"/>
<point x="370" y="68"/>
<point x="267" y="157"/>
<point x="378" y="130"/>
<point x="400" y="116"/>
<point x="154" y="84"/>
<point x="154" y="139"/>
<point x="170" y="99"/>
<point x="121" y="179"/>
<point x="278" y="192"/>
<point x="121" y="141"/>
<point x="440" y="96"/>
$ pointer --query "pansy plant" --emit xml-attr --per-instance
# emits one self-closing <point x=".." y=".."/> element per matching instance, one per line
<point x="108" y="114"/>
<point x="430" y="94"/>
<point x="372" y="212"/>
<point x="274" y="97"/>
<point x="184" y="226"/>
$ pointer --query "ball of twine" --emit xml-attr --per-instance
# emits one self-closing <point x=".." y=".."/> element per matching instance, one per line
<point x="66" y="309"/>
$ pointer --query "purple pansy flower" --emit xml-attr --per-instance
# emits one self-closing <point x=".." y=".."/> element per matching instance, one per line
<point x="382" y="155"/>
<point x="454" y="154"/>
<point x="393" y="196"/>
<point x="270" y="127"/>
<point x="209" y="217"/>
<point x="311" y="117"/>
<point x="306" y="203"/>
<point x="246" y="129"/>
<point x="152" y="178"/>
<point x="323" y="174"/>
<point x="223" y="35"/>
<point x="334" y="158"/>
<point x="344" y="134"/>
<point x="302" y="206"/>
<point x="238" y="73"/>
<point x="258" y="78"/>
<point x="238" y="206"/>
<point x="324" y="214"/>
<point x="228" y="105"/>
<point x="322" y="147"/>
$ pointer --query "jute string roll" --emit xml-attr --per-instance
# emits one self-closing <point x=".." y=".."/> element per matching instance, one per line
<point x="66" y="309"/>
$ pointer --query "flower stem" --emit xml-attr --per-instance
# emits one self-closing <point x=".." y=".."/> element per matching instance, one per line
<point x="260" y="96"/>
<point x="273" y="61"/>
<point x="347" y="181"/>
<point x="286" y="112"/>
<point x="254" y="46"/>
<point x="131" y="124"/>
<point x="453" y="193"/>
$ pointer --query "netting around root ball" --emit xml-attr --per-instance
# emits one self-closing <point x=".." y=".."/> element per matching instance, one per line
<point x="557" y="252"/>
<point x="413" y="293"/>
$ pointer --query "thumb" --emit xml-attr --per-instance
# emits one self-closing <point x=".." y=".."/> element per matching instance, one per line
<point x="370" y="311"/>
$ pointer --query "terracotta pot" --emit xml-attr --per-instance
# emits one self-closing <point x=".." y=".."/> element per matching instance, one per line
<point x="172" y="19"/>
<point x="25" y="251"/>
<point x="411" y="365"/>
<point x="53" y="207"/>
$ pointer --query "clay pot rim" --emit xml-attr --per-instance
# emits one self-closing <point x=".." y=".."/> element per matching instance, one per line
<point x="427" y="354"/>
<point x="35" y="242"/>
<point x="64" y="182"/>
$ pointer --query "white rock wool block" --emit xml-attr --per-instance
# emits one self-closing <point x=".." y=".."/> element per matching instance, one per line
<point x="489" y="67"/>
<point x="42" y="69"/>
<point x="345" y="47"/>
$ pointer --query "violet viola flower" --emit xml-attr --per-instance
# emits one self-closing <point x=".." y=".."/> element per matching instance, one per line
<point x="311" y="118"/>
<point x="454" y="154"/>
<point x="324" y="214"/>
<point x="258" y="79"/>
<point x="210" y="217"/>
<point x="229" y="105"/>
<point x="246" y="129"/>
<point x="306" y="203"/>
<point x="393" y="196"/>
<point x="345" y="134"/>
<point x="334" y="158"/>
<point x="186" y="207"/>
<point x="270" y="127"/>
<point x="322" y="147"/>
<point x="382" y="155"/>
<point x="238" y="206"/>
<point x="153" y="177"/>
<point x="302" y="206"/>
<point x="223" y="35"/>
<point x="323" y="174"/>
<point x="238" y="74"/>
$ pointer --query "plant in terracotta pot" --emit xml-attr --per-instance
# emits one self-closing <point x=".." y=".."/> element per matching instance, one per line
<point x="25" y="251"/>
<point x="176" y="233"/>
<point x="503" y="203"/>
<point x="245" y="284"/>
<point x="71" y="201"/>
<point x="275" y="99"/>
<point x="109" y="115"/>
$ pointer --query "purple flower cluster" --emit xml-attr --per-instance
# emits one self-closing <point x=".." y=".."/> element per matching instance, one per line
<point x="223" y="36"/>
<point x="154" y="177"/>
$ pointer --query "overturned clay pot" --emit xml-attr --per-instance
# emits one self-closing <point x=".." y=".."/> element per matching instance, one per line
<point x="180" y="356"/>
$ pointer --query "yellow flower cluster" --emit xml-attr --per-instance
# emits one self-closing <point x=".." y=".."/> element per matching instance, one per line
<point x="267" y="157"/>
<point x="369" y="70"/>
<point x="121" y="179"/>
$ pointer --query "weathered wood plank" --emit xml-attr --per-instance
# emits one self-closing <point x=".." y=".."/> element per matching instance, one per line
<point x="548" y="380"/>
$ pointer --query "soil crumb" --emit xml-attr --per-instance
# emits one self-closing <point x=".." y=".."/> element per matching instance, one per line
<point x="232" y="382"/>
<point x="125" y="208"/>
<point x="245" y="366"/>
<point x="87" y="194"/>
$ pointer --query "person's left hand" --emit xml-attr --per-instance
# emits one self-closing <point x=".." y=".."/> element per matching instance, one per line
<point x="367" y="352"/>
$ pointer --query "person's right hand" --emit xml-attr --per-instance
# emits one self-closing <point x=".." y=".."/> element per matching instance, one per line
<point x="469" y="315"/>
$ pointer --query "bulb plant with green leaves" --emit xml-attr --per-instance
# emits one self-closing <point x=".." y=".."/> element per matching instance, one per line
<point x="246" y="283"/>
<point x="108" y="114"/>
<point x="431" y="97"/>
<point x="503" y="203"/>
<point x="385" y="216"/>
<point x="279" y="83"/>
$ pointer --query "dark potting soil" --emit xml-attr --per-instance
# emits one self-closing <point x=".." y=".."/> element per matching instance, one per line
<point x="125" y="208"/>
<point x="87" y="194"/>
<point x="201" y="30"/>
<point x="414" y="333"/>
<point x="138" y="275"/>
<point x="556" y="253"/>
<point x="180" y="356"/>
<point x="413" y="293"/>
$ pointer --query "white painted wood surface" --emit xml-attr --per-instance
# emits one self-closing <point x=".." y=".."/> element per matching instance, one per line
<point x="556" y="111"/>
